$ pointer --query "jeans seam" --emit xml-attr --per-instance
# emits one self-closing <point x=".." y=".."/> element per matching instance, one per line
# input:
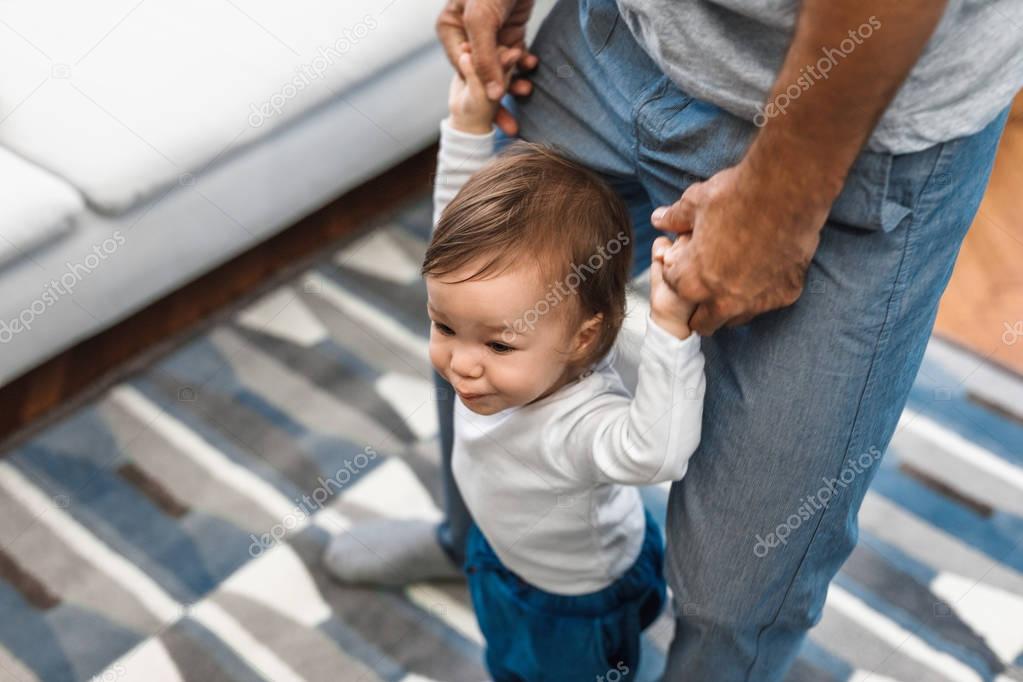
<point x="884" y="335"/>
<point x="607" y="38"/>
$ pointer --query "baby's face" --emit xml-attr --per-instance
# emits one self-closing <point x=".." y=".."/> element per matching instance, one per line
<point x="489" y="340"/>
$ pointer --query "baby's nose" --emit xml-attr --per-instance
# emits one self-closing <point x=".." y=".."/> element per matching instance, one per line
<point x="465" y="364"/>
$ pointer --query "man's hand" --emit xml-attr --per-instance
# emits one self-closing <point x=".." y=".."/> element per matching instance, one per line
<point x="756" y="226"/>
<point x="750" y="248"/>
<point x="487" y="25"/>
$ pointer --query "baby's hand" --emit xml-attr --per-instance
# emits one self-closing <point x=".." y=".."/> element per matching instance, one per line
<point x="470" y="108"/>
<point x="666" y="308"/>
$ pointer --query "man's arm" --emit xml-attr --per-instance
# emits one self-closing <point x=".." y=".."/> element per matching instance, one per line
<point x="756" y="225"/>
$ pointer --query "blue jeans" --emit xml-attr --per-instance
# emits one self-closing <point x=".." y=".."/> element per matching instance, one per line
<point x="538" y="636"/>
<point x="801" y="401"/>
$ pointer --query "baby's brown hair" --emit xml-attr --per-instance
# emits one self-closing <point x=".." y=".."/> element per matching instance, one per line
<point x="533" y="202"/>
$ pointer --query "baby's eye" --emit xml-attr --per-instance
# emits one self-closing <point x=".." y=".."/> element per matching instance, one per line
<point x="500" y="348"/>
<point x="443" y="328"/>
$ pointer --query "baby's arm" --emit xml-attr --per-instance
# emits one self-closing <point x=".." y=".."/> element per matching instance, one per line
<point x="467" y="134"/>
<point x="461" y="154"/>
<point x="650" y="438"/>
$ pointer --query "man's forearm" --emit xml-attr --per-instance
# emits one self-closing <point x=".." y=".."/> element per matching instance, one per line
<point x="846" y="62"/>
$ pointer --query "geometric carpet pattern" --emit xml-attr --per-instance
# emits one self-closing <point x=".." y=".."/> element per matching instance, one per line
<point x="171" y="528"/>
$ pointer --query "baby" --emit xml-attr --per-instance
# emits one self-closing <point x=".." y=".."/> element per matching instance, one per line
<point x="526" y="273"/>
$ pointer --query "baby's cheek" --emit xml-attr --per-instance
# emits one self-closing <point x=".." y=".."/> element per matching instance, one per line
<point x="436" y="354"/>
<point x="504" y="377"/>
<point x="527" y="378"/>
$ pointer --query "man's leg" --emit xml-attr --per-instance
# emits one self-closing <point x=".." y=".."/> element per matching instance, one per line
<point x="801" y="403"/>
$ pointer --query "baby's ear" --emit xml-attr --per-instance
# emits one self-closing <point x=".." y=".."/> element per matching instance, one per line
<point x="588" y="333"/>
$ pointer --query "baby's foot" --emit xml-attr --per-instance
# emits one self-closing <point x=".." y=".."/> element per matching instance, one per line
<point x="389" y="552"/>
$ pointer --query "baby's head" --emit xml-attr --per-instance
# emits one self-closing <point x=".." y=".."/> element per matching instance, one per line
<point x="526" y="274"/>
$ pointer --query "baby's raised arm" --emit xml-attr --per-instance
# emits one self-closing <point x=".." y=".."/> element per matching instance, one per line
<point x="650" y="438"/>
<point x="460" y="155"/>
<point x="467" y="134"/>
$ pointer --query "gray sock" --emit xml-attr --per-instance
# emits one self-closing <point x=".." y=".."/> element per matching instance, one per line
<point x="389" y="552"/>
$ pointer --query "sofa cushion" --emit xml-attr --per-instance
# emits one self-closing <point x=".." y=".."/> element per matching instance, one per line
<point x="35" y="206"/>
<point x="124" y="98"/>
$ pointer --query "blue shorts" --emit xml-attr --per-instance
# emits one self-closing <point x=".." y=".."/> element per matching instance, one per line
<point x="538" y="636"/>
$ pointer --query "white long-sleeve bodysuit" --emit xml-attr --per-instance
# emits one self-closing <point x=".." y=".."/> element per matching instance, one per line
<point x="552" y="484"/>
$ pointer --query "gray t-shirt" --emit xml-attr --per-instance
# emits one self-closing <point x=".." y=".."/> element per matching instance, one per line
<point x="728" y="52"/>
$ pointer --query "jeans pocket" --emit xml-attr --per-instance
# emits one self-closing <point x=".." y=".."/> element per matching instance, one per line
<point x="865" y="201"/>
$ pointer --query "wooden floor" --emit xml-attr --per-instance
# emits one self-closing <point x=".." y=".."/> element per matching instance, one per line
<point x="982" y="309"/>
<point x="983" y="306"/>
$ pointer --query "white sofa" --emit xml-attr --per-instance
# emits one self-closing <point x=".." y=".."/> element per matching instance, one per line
<point x="144" y="143"/>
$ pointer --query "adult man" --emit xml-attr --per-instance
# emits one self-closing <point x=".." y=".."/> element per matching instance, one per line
<point x="830" y="156"/>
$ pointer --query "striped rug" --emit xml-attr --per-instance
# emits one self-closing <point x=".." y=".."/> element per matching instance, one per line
<point x="170" y="529"/>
